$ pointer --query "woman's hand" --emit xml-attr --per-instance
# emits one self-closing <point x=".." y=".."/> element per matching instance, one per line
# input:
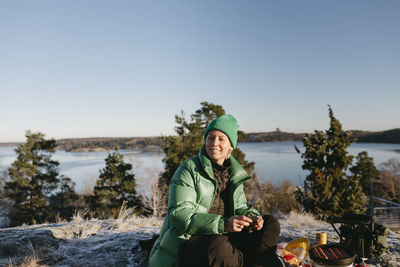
<point x="237" y="223"/>
<point x="257" y="225"/>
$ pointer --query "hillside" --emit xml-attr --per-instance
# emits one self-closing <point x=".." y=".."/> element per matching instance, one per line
<point x="276" y="136"/>
<point x="101" y="144"/>
<point x="389" y="136"/>
<point x="118" y="242"/>
<point x="154" y="142"/>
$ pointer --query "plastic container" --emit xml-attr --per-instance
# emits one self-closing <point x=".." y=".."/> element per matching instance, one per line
<point x="320" y="239"/>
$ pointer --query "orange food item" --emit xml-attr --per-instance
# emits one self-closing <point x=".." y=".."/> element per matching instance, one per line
<point x="322" y="253"/>
<point x="338" y="252"/>
<point x="333" y="253"/>
<point x="317" y="253"/>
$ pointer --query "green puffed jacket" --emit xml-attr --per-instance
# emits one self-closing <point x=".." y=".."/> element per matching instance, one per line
<point x="191" y="194"/>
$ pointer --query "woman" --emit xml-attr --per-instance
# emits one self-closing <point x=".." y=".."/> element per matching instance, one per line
<point x="208" y="221"/>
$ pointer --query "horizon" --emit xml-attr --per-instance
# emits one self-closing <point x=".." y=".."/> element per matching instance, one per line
<point x="126" y="68"/>
<point x="121" y="137"/>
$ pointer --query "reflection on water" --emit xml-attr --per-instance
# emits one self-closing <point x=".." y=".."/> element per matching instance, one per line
<point x="274" y="162"/>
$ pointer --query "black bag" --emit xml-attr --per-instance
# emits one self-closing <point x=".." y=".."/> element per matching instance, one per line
<point x="360" y="234"/>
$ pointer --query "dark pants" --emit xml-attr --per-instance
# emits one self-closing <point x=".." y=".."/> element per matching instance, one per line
<point x="239" y="249"/>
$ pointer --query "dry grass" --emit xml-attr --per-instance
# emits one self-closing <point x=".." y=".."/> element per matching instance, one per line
<point x="29" y="261"/>
<point x="79" y="215"/>
<point x="89" y="228"/>
<point x="59" y="219"/>
<point x="80" y="227"/>
<point x="77" y="230"/>
<point x="83" y="228"/>
<point x="128" y="221"/>
<point x="303" y="220"/>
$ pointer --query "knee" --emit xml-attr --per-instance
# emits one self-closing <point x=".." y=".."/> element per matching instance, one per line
<point x="272" y="228"/>
<point x="219" y="246"/>
<point x="208" y="250"/>
<point x="271" y="223"/>
<point x="221" y="252"/>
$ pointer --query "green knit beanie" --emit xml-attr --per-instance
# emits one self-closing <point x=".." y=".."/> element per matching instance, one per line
<point x="226" y="124"/>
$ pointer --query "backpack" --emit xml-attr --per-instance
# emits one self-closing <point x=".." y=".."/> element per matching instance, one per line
<point x="360" y="234"/>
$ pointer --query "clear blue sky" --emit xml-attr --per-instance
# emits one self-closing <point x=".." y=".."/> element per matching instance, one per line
<point x="125" y="68"/>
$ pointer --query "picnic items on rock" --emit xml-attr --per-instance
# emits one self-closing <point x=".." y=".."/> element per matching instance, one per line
<point x="331" y="255"/>
<point x="361" y="234"/>
<point x="360" y="238"/>
<point x="320" y="238"/>
<point x="286" y="255"/>
<point x="294" y="252"/>
<point x="299" y="253"/>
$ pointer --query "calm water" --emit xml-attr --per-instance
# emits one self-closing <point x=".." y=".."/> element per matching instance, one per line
<point x="274" y="162"/>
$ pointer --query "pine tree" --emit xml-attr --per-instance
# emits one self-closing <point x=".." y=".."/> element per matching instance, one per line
<point x="332" y="191"/>
<point x="115" y="185"/>
<point x="5" y="203"/>
<point x="63" y="202"/>
<point x="33" y="178"/>
<point x="366" y="170"/>
<point x="188" y="144"/>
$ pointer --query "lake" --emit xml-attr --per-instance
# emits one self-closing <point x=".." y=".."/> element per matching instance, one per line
<point x="274" y="161"/>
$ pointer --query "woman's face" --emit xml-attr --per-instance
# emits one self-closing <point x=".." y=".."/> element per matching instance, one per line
<point x="218" y="146"/>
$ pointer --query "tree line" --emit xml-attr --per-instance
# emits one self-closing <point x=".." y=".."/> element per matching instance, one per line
<point x="36" y="192"/>
<point x="155" y="142"/>
<point x="96" y="144"/>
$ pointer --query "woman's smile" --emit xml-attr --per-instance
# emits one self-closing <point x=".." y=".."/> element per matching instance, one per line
<point x="218" y="146"/>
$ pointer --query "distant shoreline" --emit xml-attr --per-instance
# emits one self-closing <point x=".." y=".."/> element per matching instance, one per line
<point x="154" y="142"/>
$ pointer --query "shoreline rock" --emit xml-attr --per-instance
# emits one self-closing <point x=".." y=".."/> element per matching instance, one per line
<point x="118" y="243"/>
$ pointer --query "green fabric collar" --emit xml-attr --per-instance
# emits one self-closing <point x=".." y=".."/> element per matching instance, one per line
<point x="206" y="162"/>
<point x="238" y="174"/>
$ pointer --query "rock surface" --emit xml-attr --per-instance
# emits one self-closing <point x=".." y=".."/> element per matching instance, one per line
<point x="116" y="242"/>
<point x="87" y="243"/>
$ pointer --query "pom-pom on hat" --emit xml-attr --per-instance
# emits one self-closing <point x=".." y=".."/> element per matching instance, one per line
<point x="226" y="124"/>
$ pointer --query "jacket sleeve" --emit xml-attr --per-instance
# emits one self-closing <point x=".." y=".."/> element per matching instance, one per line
<point x="241" y="207"/>
<point x="182" y="205"/>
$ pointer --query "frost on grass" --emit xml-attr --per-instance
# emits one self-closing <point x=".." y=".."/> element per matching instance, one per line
<point x="79" y="215"/>
<point x="79" y="227"/>
<point x="81" y="242"/>
<point x="303" y="221"/>
<point x="115" y="242"/>
<point x="128" y="221"/>
<point x="29" y="261"/>
<point x="296" y="225"/>
<point x="32" y="260"/>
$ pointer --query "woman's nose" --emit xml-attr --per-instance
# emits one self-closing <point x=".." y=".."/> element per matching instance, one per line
<point x="214" y="142"/>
